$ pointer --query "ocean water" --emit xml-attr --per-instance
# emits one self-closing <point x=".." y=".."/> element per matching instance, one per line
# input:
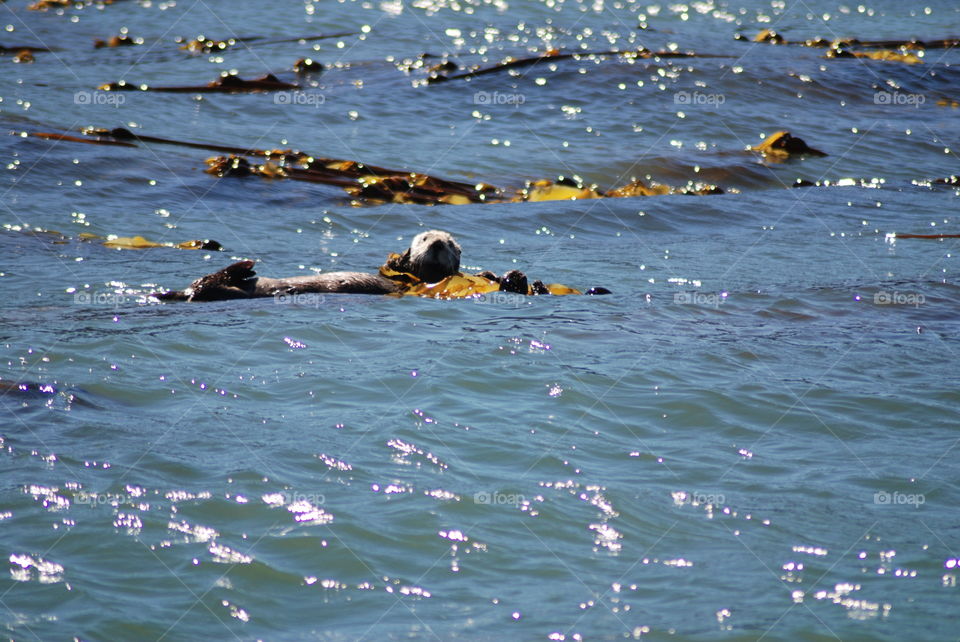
<point x="755" y="436"/>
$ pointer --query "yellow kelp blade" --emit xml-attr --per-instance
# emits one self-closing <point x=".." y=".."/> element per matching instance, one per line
<point x="458" y="286"/>
<point x="558" y="289"/>
<point x="141" y="243"/>
<point x="130" y="242"/>
<point x="549" y="191"/>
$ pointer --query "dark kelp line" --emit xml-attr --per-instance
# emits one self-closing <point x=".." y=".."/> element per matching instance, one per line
<point x="925" y="236"/>
<point x="43" y="5"/>
<point x="370" y="184"/>
<point x="112" y="240"/>
<point x="437" y="72"/>
<point x="202" y="44"/>
<point x="18" y="49"/>
<point x="772" y="37"/>
<point x="887" y="50"/>
<point x="199" y="45"/>
<point x="226" y="83"/>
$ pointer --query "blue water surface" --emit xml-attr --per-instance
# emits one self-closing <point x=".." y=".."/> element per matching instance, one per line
<point x="753" y="437"/>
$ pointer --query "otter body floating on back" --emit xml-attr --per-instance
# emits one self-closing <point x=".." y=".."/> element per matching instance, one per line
<point x="432" y="257"/>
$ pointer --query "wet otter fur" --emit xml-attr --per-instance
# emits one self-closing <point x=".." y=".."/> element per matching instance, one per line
<point x="431" y="257"/>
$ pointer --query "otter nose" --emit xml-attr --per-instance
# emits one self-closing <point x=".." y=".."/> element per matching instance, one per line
<point x="437" y="244"/>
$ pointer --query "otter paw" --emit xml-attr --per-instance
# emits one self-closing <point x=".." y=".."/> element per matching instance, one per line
<point x="514" y="281"/>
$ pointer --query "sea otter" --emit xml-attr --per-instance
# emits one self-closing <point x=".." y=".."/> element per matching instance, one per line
<point x="432" y="258"/>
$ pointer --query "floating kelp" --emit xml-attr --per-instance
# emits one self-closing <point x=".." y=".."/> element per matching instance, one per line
<point x="228" y="83"/>
<point x="77" y="139"/>
<point x="306" y="66"/>
<point x="370" y="184"/>
<point x="456" y="286"/>
<point x="463" y="286"/>
<point x="24" y="57"/>
<point x="883" y="54"/>
<point x="639" y="188"/>
<point x="22" y="50"/>
<point x="140" y="243"/>
<point x="930" y="182"/>
<point x="893" y="236"/>
<point x="43" y="5"/>
<point x="122" y="40"/>
<point x="566" y="189"/>
<point x="772" y="37"/>
<point x="780" y="146"/>
<point x="367" y="183"/>
<point x="437" y="72"/>
<point x="123" y="135"/>
<point x="112" y="240"/>
<point x="202" y="44"/>
<point x="765" y="35"/>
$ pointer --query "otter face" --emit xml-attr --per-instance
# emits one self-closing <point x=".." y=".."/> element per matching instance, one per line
<point x="433" y="256"/>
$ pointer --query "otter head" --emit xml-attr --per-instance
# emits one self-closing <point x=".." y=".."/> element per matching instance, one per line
<point x="432" y="257"/>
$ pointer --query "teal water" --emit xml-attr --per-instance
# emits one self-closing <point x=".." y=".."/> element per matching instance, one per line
<point x="753" y="437"/>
